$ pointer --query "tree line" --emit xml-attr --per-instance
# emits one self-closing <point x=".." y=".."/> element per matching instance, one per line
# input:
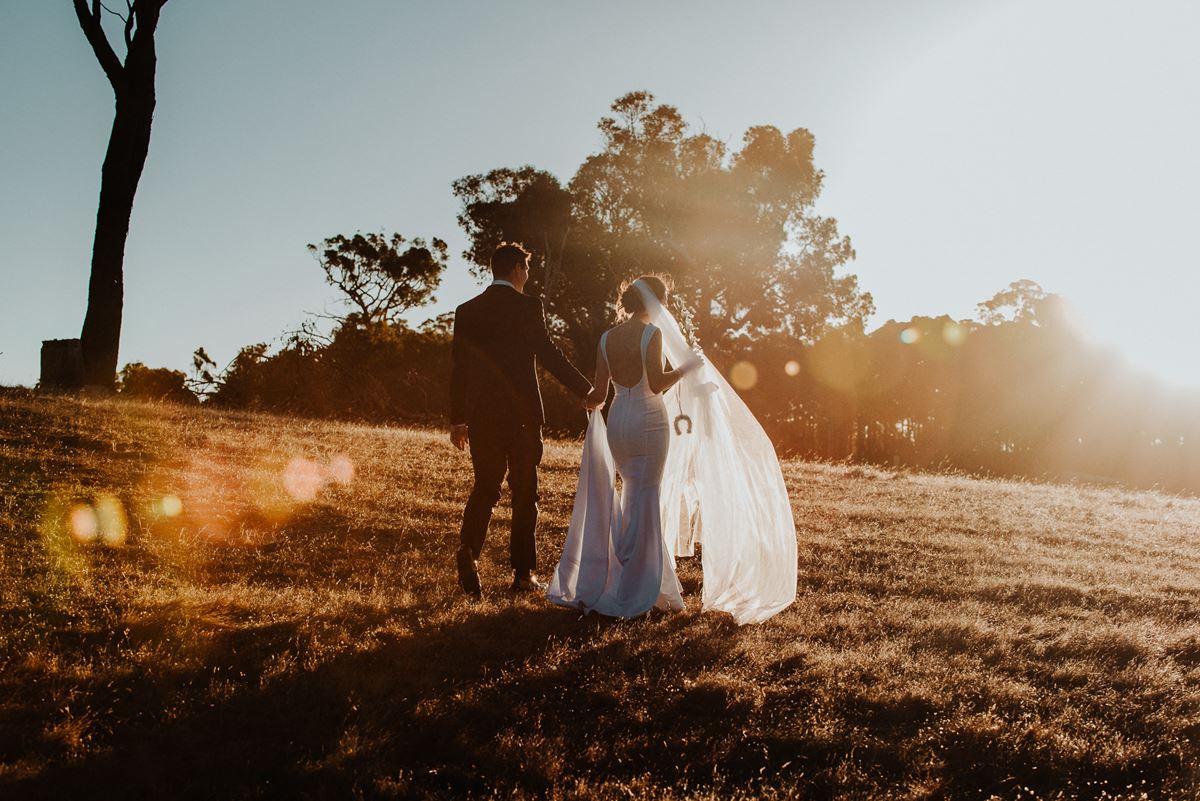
<point x="759" y="286"/>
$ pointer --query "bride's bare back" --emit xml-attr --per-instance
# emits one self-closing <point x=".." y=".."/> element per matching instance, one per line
<point x="623" y="349"/>
<point x="619" y="358"/>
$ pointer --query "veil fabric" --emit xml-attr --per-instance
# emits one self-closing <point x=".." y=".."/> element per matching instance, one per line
<point x="722" y="487"/>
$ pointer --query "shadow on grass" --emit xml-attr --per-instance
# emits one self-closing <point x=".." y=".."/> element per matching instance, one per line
<point x="417" y="710"/>
<point x="518" y="699"/>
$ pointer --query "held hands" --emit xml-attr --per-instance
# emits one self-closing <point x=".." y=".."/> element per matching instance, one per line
<point x="458" y="436"/>
<point x="595" y="399"/>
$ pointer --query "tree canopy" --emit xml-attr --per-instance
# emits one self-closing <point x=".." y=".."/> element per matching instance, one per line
<point x="379" y="278"/>
<point x="736" y="230"/>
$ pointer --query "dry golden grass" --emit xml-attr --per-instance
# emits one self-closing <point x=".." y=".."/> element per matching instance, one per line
<point x="953" y="638"/>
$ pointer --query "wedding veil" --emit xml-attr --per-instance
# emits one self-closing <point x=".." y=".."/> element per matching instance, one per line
<point x="722" y="486"/>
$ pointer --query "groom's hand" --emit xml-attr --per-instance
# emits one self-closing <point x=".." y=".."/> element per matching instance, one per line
<point x="595" y="399"/>
<point x="458" y="435"/>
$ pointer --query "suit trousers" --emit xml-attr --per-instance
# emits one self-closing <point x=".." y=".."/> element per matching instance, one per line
<point x="497" y="449"/>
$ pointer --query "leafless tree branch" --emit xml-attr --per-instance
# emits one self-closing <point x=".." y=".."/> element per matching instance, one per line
<point x="121" y="17"/>
<point x="89" y="21"/>
<point x="129" y="26"/>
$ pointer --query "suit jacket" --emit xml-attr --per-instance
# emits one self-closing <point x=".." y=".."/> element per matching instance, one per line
<point x="499" y="337"/>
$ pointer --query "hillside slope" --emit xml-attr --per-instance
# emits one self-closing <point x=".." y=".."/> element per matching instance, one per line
<point x="199" y="604"/>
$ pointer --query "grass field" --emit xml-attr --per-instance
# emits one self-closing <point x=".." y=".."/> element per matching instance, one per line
<point x="207" y="605"/>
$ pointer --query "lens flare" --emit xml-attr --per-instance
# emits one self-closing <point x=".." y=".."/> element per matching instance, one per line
<point x="114" y="525"/>
<point x="743" y="375"/>
<point x="792" y="368"/>
<point x="341" y="470"/>
<point x="303" y="479"/>
<point x="85" y="525"/>
<point x="954" y="334"/>
<point x="170" y="506"/>
<point x="910" y="336"/>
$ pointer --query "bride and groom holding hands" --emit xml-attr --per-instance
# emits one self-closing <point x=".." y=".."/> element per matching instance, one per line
<point x="708" y="475"/>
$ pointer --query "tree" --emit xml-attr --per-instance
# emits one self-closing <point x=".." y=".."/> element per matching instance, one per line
<point x="379" y="277"/>
<point x="1019" y="302"/>
<point x="132" y="82"/>
<point x="737" y="231"/>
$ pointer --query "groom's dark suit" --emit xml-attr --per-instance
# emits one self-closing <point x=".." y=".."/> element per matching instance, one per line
<point x="498" y="336"/>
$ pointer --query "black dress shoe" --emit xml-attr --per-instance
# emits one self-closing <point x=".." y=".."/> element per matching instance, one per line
<point x="527" y="582"/>
<point x="468" y="572"/>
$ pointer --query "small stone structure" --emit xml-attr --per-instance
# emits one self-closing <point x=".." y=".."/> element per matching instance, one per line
<point x="62" y="364"/>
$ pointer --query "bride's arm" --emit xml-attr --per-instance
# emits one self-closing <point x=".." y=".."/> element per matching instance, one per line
<point x="599" y="392"/>
<point x="660" y="379"/>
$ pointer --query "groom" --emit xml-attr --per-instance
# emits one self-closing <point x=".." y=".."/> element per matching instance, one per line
<point x="496" y="406"/>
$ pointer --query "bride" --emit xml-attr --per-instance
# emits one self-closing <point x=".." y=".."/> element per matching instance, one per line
<point x="711" y="474"/>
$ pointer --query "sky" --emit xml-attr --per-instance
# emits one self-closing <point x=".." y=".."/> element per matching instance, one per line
<point x="965" y="146"/>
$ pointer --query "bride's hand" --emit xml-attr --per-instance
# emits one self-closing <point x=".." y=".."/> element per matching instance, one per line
<point x="592" y="401"/>
<point x="693" y="362"/>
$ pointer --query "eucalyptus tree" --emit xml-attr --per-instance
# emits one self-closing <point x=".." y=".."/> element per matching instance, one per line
<point x="132" y="81"/>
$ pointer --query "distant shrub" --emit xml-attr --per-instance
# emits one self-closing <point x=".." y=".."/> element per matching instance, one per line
<point x="155" y="384"/>
<point x="377" y="372"/>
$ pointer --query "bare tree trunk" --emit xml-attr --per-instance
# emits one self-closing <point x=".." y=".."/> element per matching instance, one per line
<point x="127" y="148"/>
<point x="128" y="145"/>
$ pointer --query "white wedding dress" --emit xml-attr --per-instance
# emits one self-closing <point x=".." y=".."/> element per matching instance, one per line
<point x="715" y="479"/>
<point x="630" y="569"/>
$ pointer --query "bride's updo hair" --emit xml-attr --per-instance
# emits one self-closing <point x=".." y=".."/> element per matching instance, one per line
<point x="631" y="297"/>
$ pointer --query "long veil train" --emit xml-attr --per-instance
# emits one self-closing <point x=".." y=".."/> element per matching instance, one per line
<point x="722" y="486"/>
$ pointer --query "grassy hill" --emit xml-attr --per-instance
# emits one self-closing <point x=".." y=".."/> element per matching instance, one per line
<point x="197" y="604"/>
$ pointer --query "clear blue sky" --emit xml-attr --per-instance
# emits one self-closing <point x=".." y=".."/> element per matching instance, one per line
<point x="965" y="145"/>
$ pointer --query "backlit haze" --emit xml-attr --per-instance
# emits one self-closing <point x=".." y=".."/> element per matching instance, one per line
<point x="965" y="145"/>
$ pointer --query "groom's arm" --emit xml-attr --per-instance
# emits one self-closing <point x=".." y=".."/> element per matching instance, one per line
<point x="550" y="356"/>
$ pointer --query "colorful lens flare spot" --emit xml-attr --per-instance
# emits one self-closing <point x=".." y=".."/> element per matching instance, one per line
<point x="114" y="525"/>
<point x="303" y="479"/>
<point x="105" y="520"/>
<point x="792" y="368"/>
<point x="954" y="334"/>
<point x="341" y="470"/>
<point x="170" y="506"/>
<point x="85" y="525"/>
<point x="743" y="375"/>
<point x="910" y="336"/>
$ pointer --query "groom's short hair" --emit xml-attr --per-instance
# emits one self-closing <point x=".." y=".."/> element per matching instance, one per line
<point x="508" y="257"/>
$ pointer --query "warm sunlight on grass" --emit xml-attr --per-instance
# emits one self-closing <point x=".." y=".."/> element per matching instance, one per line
<point x="197" y="604"/>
